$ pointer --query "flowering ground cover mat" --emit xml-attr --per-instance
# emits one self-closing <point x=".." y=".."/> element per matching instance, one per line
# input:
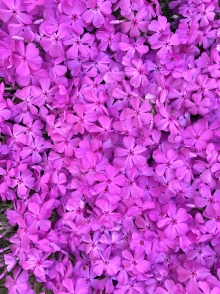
<point x="109" y="147"/>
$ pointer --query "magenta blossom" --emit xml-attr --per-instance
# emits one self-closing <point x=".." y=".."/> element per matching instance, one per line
<point x="110" y="181"/>
<point x="108" y="264"/>
<point x="131" y="156"/>
<point x="197" y="135"/>
<point x="159" y="28"/>
<point x="38" y="263"/>
<point x="72" y="14"/>
<point x="19" y="283"/>
<point x="23" y="182"/>
<point x="136" y="23"/>
<point x="137" y="264"/>
<point x="174" y="223"/>
<point x="96" y="11"/>
<point x="14" y="9"/>
<point x="191" y="273"/>
<point x="164" y="44"/>
<point x="167" y="164"/>
<point x="140" y="113"/>
<point x="81" y="120"/>
<point x="137" y="73"/>
<point x="27" y="59"/>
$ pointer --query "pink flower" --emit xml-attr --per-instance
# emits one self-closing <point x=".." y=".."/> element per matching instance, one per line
<point x="166" y="121"/>
<point x="190" y="273"/>
<point x="79" y="45"/>
<point x="19" y="282"/>
<point x="108" y="39"/>
<point x="157" y="242"/>
<point x="15" y="9"/>
<point x="23" y="181"/>
<point x="105" y="130"/>
<point x="206" y="14"/>
<point x="160" y="28"/>
<point x="131" y="188"/>
<point x="202" y="254"/>
<point x="27" y="59"/>
<point x="96" y="11"/>
<point x="198" y="105"/>
<point x="114" y="240"/>
<point x="58" y="181"/>
<point x="110" y="181"/>
<point x="72" y="14"/>
<point x="109" y="265"/>
<point x="55" y="67"/>
<point x="54" y="44"/>
<point x="136" y="23"/>
<point x="140" y="112"/>
<point x="213" y="224"/>
<point x="167" y="87"/>
<point x="130" y="156"/>
<point x="107" y="216"/>
<point x="137" y="73"/>
<point x="36" y="216"/>
<point x="206" y="40"/>
<point x="34" y="149"/>
<point x="137" y="263"/>
<point x="44" y="93"/>
<point x="164" y="44"/>
<point x="205" y="287"/>
<point x="137" y="243"/>
<point x="208" y="201"/>
<point x="205" y="171"/>
<point x="186" y="33"/>
<point x="38" y="263"/>
<point x="167" y="163"/>
<point x="197" y="135"/>
<point x="203" y="85"/>
<point x="92" y="245"/>
<point x="175" y="222"/>
<point x="97" y="102"/>
<point x="65" y="144"/>
<point x="81" y="120"/>
<point x="126" y="128"/>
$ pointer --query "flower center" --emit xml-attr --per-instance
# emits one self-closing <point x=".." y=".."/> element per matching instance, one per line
<point x="134" y="22"/>
<point x="140" y="71"/>
<point x="97" y="7"/>
<point x="14" y="12"/>
<point x="131" y="152"/>
<point x="20" y="181"/>
<point x="217" y="218"/>
<point x="174" y="221"/>
<point x="134" y="263"/>
<point x="193" y="274"/>
<point x="74" y="17"/>
<point x="24" y="58"/>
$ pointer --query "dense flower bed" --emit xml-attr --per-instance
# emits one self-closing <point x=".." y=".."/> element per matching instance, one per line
<point x="110" y="146"/>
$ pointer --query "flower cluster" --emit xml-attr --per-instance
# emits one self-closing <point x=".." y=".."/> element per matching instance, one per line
<point x="110" y="146"/>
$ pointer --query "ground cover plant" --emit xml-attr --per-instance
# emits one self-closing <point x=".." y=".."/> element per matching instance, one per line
<point x="109" y="147"/>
